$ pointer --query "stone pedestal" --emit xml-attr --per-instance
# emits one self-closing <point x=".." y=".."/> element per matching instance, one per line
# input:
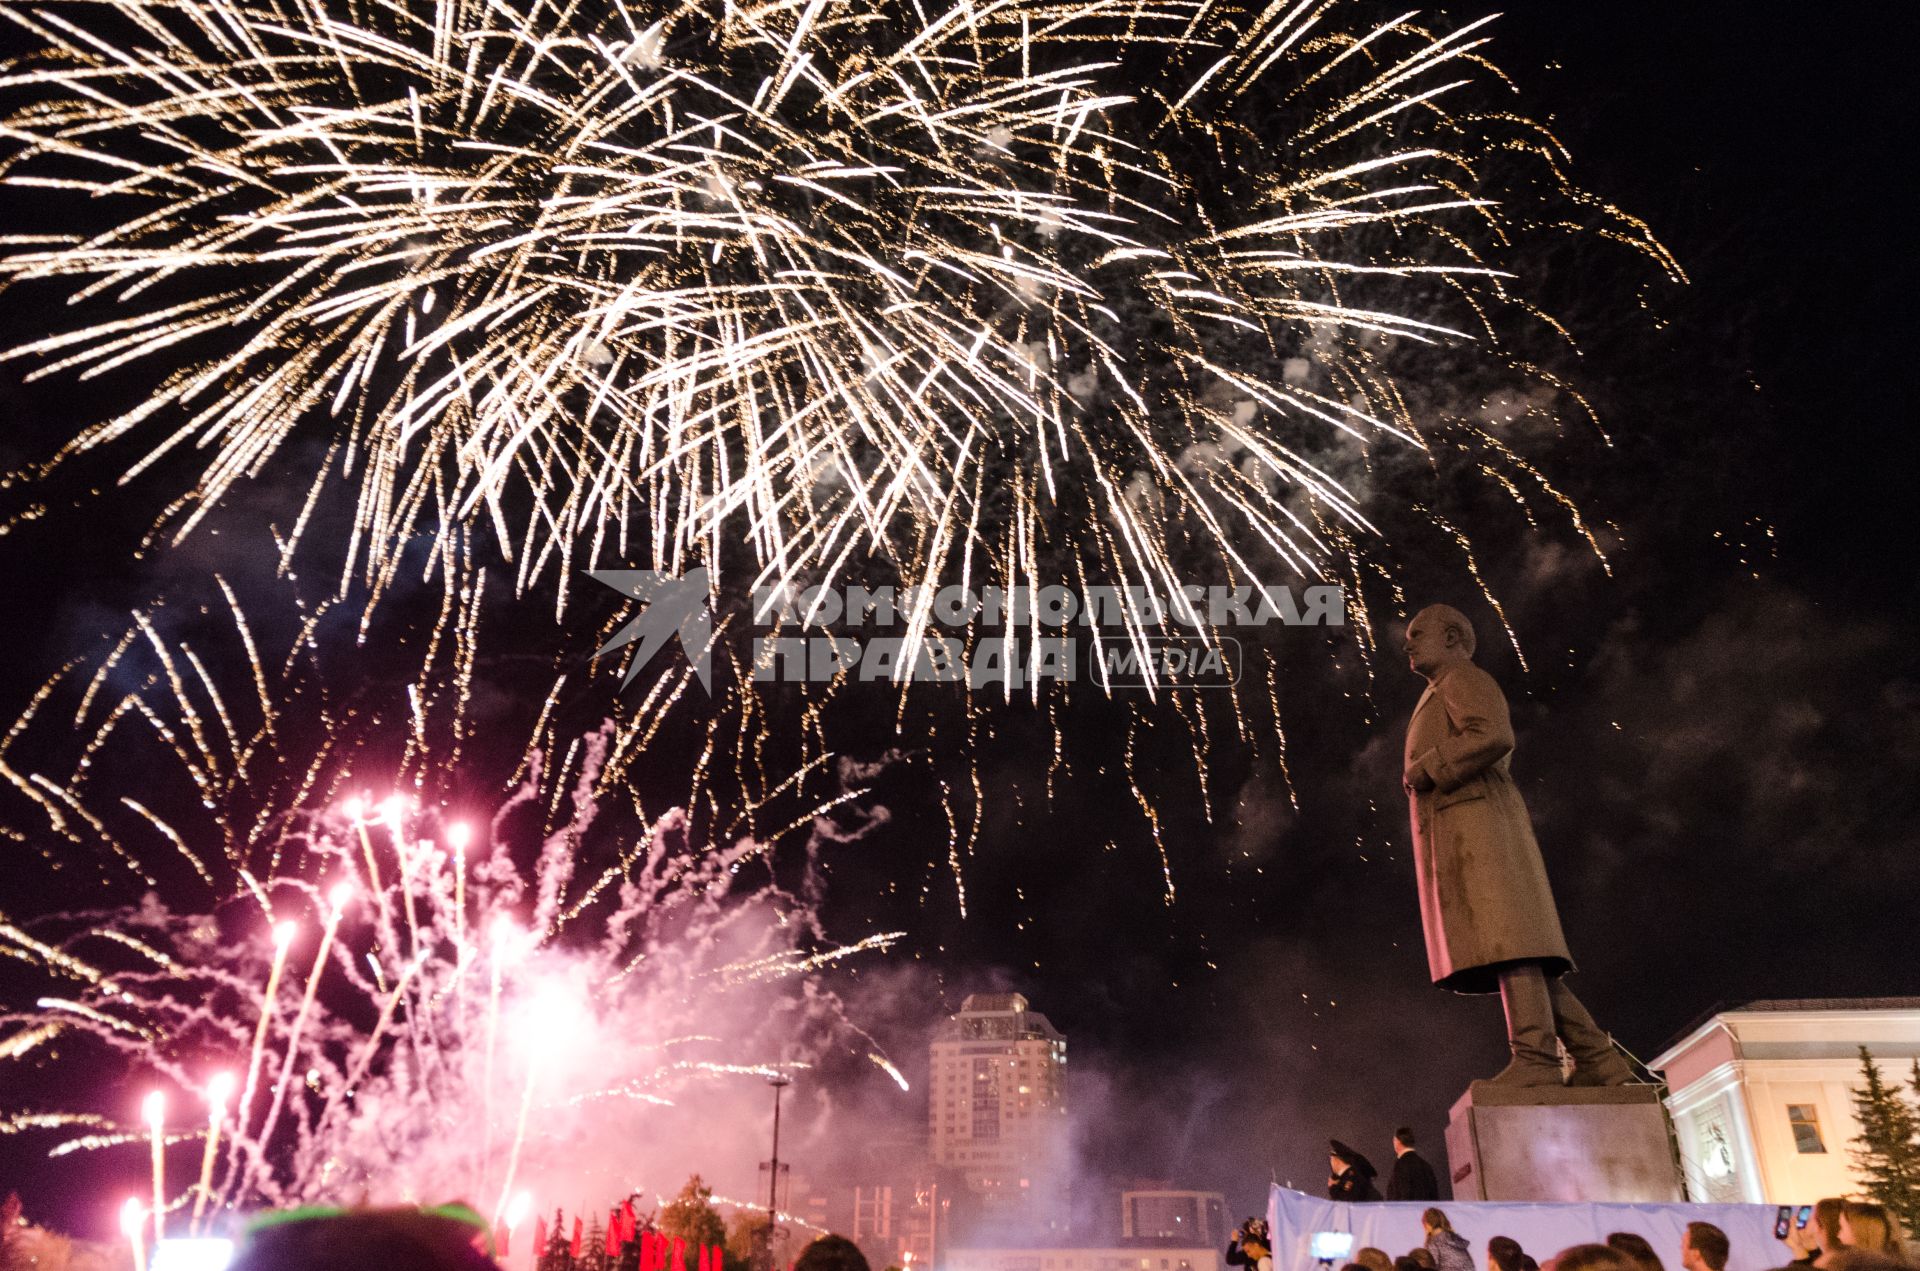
<point x="1553" y="1143"/>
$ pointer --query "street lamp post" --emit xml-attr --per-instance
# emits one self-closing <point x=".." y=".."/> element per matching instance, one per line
<point x="779" y="1082"/>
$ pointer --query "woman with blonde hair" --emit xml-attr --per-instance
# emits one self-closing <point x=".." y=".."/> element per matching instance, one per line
<point x="1872" y="1228"/>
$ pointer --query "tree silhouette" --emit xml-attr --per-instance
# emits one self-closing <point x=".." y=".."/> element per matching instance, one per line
<point x="1888" y="1146"/>
<point x="691" y="1217"/>
<point x="555" y="1257"/>
<point x="593" y="1253"/>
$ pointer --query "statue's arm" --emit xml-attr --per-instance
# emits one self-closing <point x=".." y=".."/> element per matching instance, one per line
<point x="1483" y="732"/>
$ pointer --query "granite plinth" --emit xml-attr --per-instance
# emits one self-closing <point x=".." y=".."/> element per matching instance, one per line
<point x="1562" y="1143"/>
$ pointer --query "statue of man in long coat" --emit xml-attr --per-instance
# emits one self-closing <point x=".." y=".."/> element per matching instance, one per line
<point x="1489" y="915"/>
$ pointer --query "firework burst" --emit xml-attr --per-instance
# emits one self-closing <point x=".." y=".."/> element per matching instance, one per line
<point x="360" y="993"/>
<point x="1002" y="292"/>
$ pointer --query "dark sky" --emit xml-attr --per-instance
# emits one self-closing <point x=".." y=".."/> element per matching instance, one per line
<point x="1722" y="771"/>
<point x="1721" y="767"/>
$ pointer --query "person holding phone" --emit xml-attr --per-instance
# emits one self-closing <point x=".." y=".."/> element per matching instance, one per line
<point x="1251" y="1247"/>
<point x="1793" y="1227"/>
<point x="1811" y="1233"/>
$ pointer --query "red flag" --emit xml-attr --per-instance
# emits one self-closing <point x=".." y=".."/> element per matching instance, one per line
<point x="613" y="1232"/>
<point x="678" y="1262"/>
<point x="573" y="1246"/>
<point x="500" y="1239"/>
<point x="539" y="1237"/>
<point x="649" y="1252"/>
<point x="703" y="1258"/>
<point x="629" y="1222"/>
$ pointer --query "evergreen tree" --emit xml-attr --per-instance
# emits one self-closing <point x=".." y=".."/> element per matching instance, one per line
<point x="555" y="1256"/>
<point x="593" y="1253"/>
<point x="1888" y="1151"/>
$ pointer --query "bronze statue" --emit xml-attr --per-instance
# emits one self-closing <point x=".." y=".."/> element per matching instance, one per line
<point x="1489" y="914"/>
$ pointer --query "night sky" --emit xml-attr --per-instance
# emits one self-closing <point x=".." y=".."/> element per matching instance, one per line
<point x="1720" y="744"/>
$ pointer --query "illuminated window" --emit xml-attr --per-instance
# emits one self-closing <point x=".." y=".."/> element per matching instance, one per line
<point x="1805" y="1120"/>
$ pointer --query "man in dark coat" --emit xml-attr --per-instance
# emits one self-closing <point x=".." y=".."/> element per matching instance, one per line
<point x="1349" y="1174"/>
<point x="1412" y="1177"/>
<point x="1489" y="916"/>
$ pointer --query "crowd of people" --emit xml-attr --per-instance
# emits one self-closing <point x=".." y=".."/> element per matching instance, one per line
<point x="1850" y="1235"/>
<point x="1840" y="1235"/>
<point x="1833" y="1235"/>
<point x="1837" y="1235"/>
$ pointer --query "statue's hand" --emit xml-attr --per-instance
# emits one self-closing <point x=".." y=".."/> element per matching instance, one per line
<point x="1415" y="778"/>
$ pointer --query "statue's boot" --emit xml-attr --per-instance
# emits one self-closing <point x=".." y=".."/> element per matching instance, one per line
<point x="1595" y="1061"/>
<point x="1529" y="1007"/>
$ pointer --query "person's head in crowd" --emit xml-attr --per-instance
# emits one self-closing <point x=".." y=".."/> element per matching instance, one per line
<point x="1374" y="1259"/>
<point x="391" y="1239"/>
<point x="1504" y="1254"/>
<point x="831" y="1253"/>
<point x="1343" y="1158"/>
<point x="1424" y="1258"/>
<point x="1703" y="1247"/>
<point x="1589" y="1258"/>
<point x="1435" y="1219"/>
<point x="1403" y="1140"/>
<point x="1824" y="1226"/>
<point x="1638" y="1248"/>
<point x="1871" y="1227"/>
<point x="1407" y="1262"/>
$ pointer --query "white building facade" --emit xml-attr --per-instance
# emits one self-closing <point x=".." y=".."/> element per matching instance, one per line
<point x="997" y="1110"/>
<point x="1762" y="1094"/>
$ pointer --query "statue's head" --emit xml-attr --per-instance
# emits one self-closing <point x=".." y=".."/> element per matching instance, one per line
<point x="1438" y="635"/>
